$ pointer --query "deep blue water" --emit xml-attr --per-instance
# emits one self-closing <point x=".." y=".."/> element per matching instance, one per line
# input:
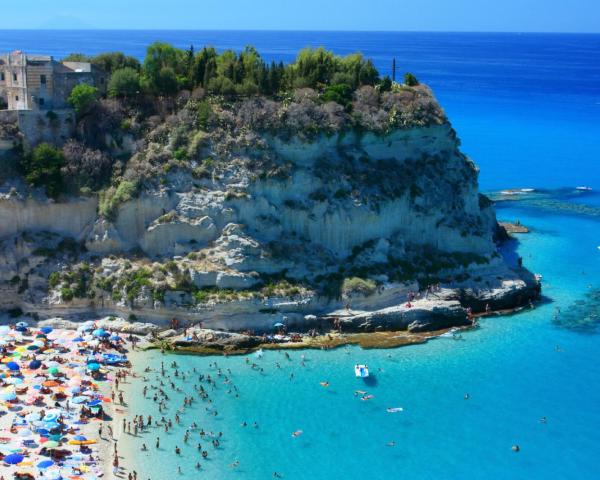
<point x="526" y="106"/>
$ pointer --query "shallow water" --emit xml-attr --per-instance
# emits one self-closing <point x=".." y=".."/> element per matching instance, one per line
<point x="516" y="369"/>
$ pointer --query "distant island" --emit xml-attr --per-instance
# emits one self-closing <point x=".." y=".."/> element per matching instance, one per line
<point x="214" y="189"/>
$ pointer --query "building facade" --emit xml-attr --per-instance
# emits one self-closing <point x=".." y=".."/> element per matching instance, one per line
<point x="38" y="82"/>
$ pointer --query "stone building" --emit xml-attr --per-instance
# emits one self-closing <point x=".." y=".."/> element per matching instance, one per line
<point x="38" y="82"/>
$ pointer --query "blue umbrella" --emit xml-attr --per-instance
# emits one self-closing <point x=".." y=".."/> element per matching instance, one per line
<point x="79" y="399"/>
<point x="93" y="366"/>
<point x="14" y="366"/>
<point x="21" y="329"/>
<point x="13" y="458"/>
<point x="22" y="324"/>
<point x="35" y="364"/>
<point x="80" y="438"/>
<point x="46" y="330"/>
<point x="78" y="339"/>
<point x="99" y="332"/>
<point x="45" y="464"/>
<point x="93" y="403"/>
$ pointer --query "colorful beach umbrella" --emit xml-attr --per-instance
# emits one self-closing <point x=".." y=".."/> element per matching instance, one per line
<point x="46" y="330"/>
<point x="14" y="366"/>
<point x="45" y="464"/>
<point x="13" y="458"/>
<point x="35" y="364"/>
<point x="93" y="367"/>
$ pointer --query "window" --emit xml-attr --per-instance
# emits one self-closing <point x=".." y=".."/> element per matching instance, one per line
<point x="43" y="79"/>
<point x="17" y="98"/>
<point x="14" y="77"/>
<point x="2" y="77"/>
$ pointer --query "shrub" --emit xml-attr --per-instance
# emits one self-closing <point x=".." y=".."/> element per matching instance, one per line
<point x="53" y="279"/>
<point x="124" y="82"/>
<point x="85" y="167"/>
<point x="113" y="197"/>
<point x="358" y="285"/>
<point x="410" y="80"/>
<point x="67" y="294"/>
<point x="82" y="98"/>
<point x="42" y="167"/>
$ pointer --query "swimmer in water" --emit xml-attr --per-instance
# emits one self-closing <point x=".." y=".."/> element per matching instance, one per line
<point x="391" y="444"/>
<point x="324" y="384"/>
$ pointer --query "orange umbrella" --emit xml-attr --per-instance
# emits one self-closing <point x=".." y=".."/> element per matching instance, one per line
<point x="50" y="383"/>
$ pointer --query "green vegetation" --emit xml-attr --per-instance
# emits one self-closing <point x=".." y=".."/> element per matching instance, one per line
<point x="42" y="167"/>
<point x="410" y="80"/>
<point x="124" y="82"/>
<point x="359" y="285"/>
<point x="82" y="98"/>
<point x="113" y="197"/>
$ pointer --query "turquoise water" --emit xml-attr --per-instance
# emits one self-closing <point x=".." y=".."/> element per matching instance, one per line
<point x="510" y="367"/>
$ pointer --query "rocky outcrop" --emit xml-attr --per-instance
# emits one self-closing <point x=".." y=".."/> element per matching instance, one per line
<point x="400" y="209"/>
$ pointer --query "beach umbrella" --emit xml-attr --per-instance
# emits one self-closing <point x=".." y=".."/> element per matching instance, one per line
<point x="14" y="380"/>
<point x="35" y="364"/>
<point x="46" y="330"/>
<point x="78" y="339"/>
<point x="78" y="399"/>
<point x="8" y="395"/>
<point x="278" y="324"/>
<point x="50" y="417"/>
<point x="14" y="366"/>
<point x="41" y="335"/>
<point x="22" y="324"/>
<point x="93" y="403"/>
<point x="50" y="383"/>
<point x="52" y="363"/>
<point x="33" y="347"/>
<point x="13" y="458"/>
<point x="93" y="367"/>
<point x="50" y="444"/>
<point x="45" y="464"/>
<point x="99" y="332"/>
<point x="21" y="329"/>
<point x="53" y="371"/>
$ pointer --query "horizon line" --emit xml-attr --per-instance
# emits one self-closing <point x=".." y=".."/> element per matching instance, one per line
<point x="514" y="32"/>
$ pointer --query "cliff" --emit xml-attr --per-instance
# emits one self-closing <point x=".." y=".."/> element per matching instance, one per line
<point x="261" y="211"/>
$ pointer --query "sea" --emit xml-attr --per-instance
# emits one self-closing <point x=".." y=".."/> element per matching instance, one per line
<point x="527" y="109"/>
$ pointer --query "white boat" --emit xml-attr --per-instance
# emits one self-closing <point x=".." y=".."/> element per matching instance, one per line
<point x="361" y="371"/>
<point x="583" y="188"/>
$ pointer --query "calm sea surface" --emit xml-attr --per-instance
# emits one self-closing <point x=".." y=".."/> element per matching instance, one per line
<point x="527" y="108"/>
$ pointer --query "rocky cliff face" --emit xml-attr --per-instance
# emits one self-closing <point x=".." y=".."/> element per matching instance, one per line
<point x="278" y="226"/>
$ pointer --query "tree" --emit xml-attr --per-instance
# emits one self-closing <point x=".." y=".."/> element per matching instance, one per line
<point x="124" y="82"/>
<point x="42" y="167"/>
<point x="340" y="93"/>
<point x="76" y="57"/>
<point x="410" y="80"/>
<point x="82" y="98"/>
<point x="166" y="83"/>
<point x="113" y="61"/>
<point x="386" y="84"/>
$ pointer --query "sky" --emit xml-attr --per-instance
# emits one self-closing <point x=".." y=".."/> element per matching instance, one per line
<point x="581" y="16"/>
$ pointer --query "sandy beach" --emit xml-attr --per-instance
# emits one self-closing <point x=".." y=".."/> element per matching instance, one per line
<point x="57" y="389"/>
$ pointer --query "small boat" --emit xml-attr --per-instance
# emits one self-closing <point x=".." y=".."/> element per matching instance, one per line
<point x="394" y="409"/>
<point x="361" y="371"/>
<point x="584" y="188"/>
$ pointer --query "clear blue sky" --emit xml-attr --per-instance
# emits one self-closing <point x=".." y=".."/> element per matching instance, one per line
<point x="430" y="15"/>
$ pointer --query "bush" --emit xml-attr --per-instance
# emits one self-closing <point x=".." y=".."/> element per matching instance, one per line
<point x="358" y="285"/>
<point x="124" y="82"/>
<point x="42" y="168"/>
<point x="53" y="279"/>
<point x="85" y="167"/>
<point x="82" y="98"/>
<point x="410" y="80"/>
<point x="113" y="197"/>
<point x="66" y="294"/>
